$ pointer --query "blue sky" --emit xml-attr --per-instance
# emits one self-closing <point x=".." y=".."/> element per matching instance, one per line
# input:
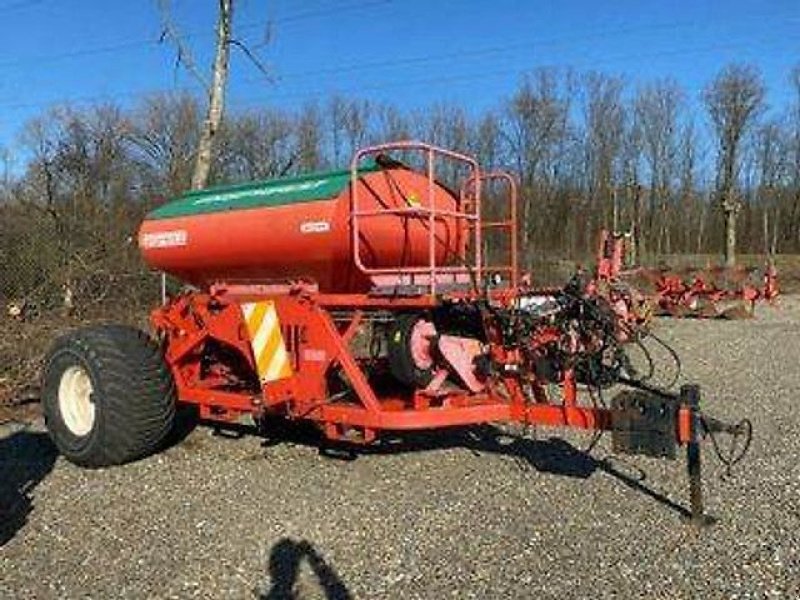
<point x="409" y="52"/>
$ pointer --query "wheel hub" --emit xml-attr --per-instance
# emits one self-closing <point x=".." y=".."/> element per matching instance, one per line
<point x="75" y="400"/>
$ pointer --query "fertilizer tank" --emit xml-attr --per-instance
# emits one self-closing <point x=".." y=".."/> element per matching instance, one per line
<point x="300" y="228"/>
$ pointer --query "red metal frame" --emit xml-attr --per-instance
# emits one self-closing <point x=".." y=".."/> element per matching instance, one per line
<point x="429" y="212"/>
<point x="321" y="344"/>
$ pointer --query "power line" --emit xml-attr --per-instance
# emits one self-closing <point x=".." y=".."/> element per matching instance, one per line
<point x="439" y="80"/>
<point x="322" y="12"/>
<point x="335" y="10"/>
<point x="155" y="41"/>
<point x="402" y="82"/>
<point x="422" y="59"/>
<point x="102" y="97"/>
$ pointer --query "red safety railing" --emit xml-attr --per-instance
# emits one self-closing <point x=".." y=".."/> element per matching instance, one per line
<point x="467" y="215"/>
<point x="507" y="224"/>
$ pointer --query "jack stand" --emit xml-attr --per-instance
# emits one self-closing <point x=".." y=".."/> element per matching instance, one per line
<point x="690" y="398"/>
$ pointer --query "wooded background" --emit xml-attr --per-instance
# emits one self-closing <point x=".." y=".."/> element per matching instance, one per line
<point x="590" y="150"/>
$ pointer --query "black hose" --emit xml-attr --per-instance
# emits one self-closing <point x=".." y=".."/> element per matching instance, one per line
<point x="743" y="429"/>
<point x="676" y="359"/>
<point x="651" y="365"/>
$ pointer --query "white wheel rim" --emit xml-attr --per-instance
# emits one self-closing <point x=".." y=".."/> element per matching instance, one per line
<point x="75" y="400"/>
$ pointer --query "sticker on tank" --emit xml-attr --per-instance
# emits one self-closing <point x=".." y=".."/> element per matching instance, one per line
<point x="165" y="239"/>
<point x="315" y="227"/>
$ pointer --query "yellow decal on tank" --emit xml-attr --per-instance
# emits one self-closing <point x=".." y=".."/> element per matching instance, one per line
<point x="269" y="351"/>
<point x="413" y="200"/>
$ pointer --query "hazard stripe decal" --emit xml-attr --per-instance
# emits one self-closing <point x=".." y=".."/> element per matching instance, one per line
<point x="266" y="339"/>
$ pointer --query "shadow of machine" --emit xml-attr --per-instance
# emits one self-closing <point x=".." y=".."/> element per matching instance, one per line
<point x="25" y="460"/>
<point x="550" y="455"/>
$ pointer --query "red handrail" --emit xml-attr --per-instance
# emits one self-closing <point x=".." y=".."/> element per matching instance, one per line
<point x="430" y="211"/>
<point x="509" y="224"/>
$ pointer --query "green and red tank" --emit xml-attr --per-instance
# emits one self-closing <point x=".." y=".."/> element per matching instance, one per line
<point x="300" y="228"/>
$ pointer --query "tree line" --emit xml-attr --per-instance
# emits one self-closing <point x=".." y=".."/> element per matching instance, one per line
<point x="680" y="172"/>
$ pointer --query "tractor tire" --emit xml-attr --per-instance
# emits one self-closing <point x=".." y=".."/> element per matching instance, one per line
<point x="108" y="396"/>
<point x="401" y="359"/>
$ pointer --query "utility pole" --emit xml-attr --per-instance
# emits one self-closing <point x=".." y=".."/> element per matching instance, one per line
<point x="216" y="96"/>
<point x="215" y="88"/>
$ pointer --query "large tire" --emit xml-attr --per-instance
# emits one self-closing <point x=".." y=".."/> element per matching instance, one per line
<point x="108" y="395"/>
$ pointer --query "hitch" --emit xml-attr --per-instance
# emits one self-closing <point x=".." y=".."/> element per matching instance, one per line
<point x="651" y="422"/>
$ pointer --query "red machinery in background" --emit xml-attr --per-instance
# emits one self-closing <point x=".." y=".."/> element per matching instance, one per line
<point x="714" y="293"/>
<point x="363" y="301"/>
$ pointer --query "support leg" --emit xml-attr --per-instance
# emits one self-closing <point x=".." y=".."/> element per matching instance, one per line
<point x="690" y="398"/>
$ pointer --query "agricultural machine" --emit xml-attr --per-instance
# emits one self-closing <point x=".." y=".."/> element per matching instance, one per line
<point x="362" y="301"/>
<point x="712" y="293"/>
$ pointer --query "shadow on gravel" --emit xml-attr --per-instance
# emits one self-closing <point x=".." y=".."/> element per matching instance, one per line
<point x="284" y="565"/>
<point x="26" y="458"/>
<point x="552" y="455"/>
<point x="186" y="420"/>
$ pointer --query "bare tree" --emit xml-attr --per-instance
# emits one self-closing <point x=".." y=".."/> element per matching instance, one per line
<point x="656" y="109"/>
<point x="771" y="165"/>
<point x="794" y="221"/>
<point x="87" y="175"/>
<point x="392" y="124"/>
<point x="7" y="161"/>
<point x="687" y="175"/>
<point x="255" y="146"/>
<point x="734" y="100"/>
<point x="446" y="125"/>
<point x="537" y="119"/>
<point x="308" y="134"/>
<point x="215" y="88"/>
<point x="629" y="206"/>
<point x="77" y="196"/>
<point x="163" y="141"/>
<point x="349" y="122"/>
<point x="337" y="116"/>
<point x="605" y="120"/>
<point x="485" y="141"/>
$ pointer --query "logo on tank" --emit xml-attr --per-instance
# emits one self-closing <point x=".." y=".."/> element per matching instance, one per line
<point x="165" y="239"/>
<point x="315" y="227"/>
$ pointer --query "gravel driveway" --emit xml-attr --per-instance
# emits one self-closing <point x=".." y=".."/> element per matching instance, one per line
<point x="466" y="514"/>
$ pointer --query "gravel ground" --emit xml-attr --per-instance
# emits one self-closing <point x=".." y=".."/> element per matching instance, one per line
<point x="467" y="514"/>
